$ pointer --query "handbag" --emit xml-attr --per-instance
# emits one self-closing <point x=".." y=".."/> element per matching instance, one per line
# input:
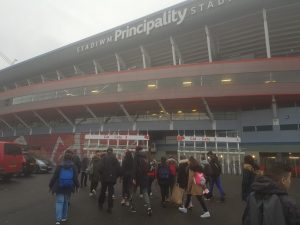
<point x="177" y="195"/>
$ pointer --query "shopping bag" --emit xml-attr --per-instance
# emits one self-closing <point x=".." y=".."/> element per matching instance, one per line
<point x="177" y="195"/>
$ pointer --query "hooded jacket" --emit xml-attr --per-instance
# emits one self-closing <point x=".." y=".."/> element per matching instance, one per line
<point x="248" y="179"/>
<point x="53" y="185"/>
<point x="109" y="168"/>
<point x="264" y="185"/>
<point x="183" y="173"/>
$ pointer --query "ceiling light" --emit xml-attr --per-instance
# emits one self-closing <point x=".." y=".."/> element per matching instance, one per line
<point x="179" y="111"/>
<point x="152" y="86"/>
<point x="187" y="83"/>
<point x="161" y="111"/>
<point x="270" y="81"/>
<point x="226" y="80"/>
<point x="154" y="114"/>
<point x="194" y="110"/>
<point x="95" y="91"/>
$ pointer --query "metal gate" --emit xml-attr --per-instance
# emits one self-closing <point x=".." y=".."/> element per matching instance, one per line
<point x="119" y="141"/>
<point x="227" y="149"/>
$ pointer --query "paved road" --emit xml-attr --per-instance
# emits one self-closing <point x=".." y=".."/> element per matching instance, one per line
<point x="26" y="201"/>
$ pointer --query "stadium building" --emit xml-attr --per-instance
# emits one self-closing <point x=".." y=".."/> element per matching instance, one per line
<point x="220" y="75"/>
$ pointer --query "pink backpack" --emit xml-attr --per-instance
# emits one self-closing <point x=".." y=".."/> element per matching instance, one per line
<point x="199" y="178"/>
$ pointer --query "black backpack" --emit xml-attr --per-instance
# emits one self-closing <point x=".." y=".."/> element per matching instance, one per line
<point x="264" y="210"/>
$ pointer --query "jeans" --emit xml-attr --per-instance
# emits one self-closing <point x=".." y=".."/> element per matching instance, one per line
<point x="144" y="190"/>
<point x="62" y="206"/>
<point x="217" y="181"/>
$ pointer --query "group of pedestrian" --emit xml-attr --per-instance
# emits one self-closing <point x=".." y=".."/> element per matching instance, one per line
<point x="263" y="194"/>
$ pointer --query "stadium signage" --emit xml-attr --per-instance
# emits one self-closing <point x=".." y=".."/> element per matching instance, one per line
<point x="174" y="16"/>
<point x="116" y="137"/>
<point x="208" y="139"/>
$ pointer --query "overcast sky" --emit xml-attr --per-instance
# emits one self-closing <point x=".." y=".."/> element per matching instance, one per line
<point x="33" y="27"/>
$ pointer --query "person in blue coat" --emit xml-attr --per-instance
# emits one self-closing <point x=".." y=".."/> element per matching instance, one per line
<point x="64" y="182"/>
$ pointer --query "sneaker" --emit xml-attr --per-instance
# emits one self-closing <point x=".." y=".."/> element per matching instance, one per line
<point x="123" y="202"/>
<point x="94" y="191"/>
<point x="91" y="194"/>
<point x="182" y="209"/>
<point x="57" y="223"/>
<point x="132" y="209"/>
<point x="151" y="193"/>
<point x="64" y="220"/>
<point x="113" y="197"/>
<point x="127" y="204"/>
<point x="205" y="215"/>
<point x="141" y="195"/>
<point x="190" y="205"/>
<point x="149" y="212"/>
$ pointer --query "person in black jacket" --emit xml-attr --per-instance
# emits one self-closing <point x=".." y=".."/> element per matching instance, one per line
<point x="183" y="172"/>
<point x="58" y="185"/>
<point x="163" y="178"/>
<point x="109" y="169"/>
<point x="127" y="168"/>
<point x="215" y="176"/>
<point x="140" y="178"/>
<point x="249" y="173"/>
<point x="275" y="183"/>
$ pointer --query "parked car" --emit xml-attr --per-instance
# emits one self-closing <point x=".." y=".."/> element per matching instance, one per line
<point x="11" y="159"/>
<point x="43" y="165"/>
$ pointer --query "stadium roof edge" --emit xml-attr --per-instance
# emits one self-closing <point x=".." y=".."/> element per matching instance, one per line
<point x="54" y="59"/>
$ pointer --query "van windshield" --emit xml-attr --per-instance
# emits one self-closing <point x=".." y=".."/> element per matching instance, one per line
<point x="12" y="149"/>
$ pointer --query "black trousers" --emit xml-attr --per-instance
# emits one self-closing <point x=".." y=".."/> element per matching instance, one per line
<point x="127" y="185"/>
<point x="150" y="181"/>
<point x="94" y="185"/>
<point x="200" y="199"/>
<point x="164" y="190"/>
<point x="83" y="179"/>
<point x="104" y="187"/>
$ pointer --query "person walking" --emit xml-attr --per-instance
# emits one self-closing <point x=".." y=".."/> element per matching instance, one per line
<point x="127" y="169"/>
<point x="172" y="163"/>
<point x="194" y="189"/>
<point x="94" y="175"/>
<point x="109" y="170"/>
<point x="163" y="179"/>
<point x="84" y="171"/>
<point x="151" y="175"/>
<point x="269" y="203"/>
<point x="216" y="171"/>
<point x="64" y="182"/>
<point x="140" y="178"/>
<point x="249" y="174"/>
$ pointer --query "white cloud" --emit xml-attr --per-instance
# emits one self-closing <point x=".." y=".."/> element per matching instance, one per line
<point x="30" y="28"/>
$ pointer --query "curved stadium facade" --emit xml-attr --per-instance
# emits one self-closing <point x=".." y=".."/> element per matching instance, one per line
<point x="200" y="67"/>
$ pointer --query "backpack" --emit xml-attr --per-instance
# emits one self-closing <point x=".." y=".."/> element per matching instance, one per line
<point x="264" y="210"/>
<point x="199" y="178"/>
<point x="163" y="172"/>
<point x="65" y="179"/>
